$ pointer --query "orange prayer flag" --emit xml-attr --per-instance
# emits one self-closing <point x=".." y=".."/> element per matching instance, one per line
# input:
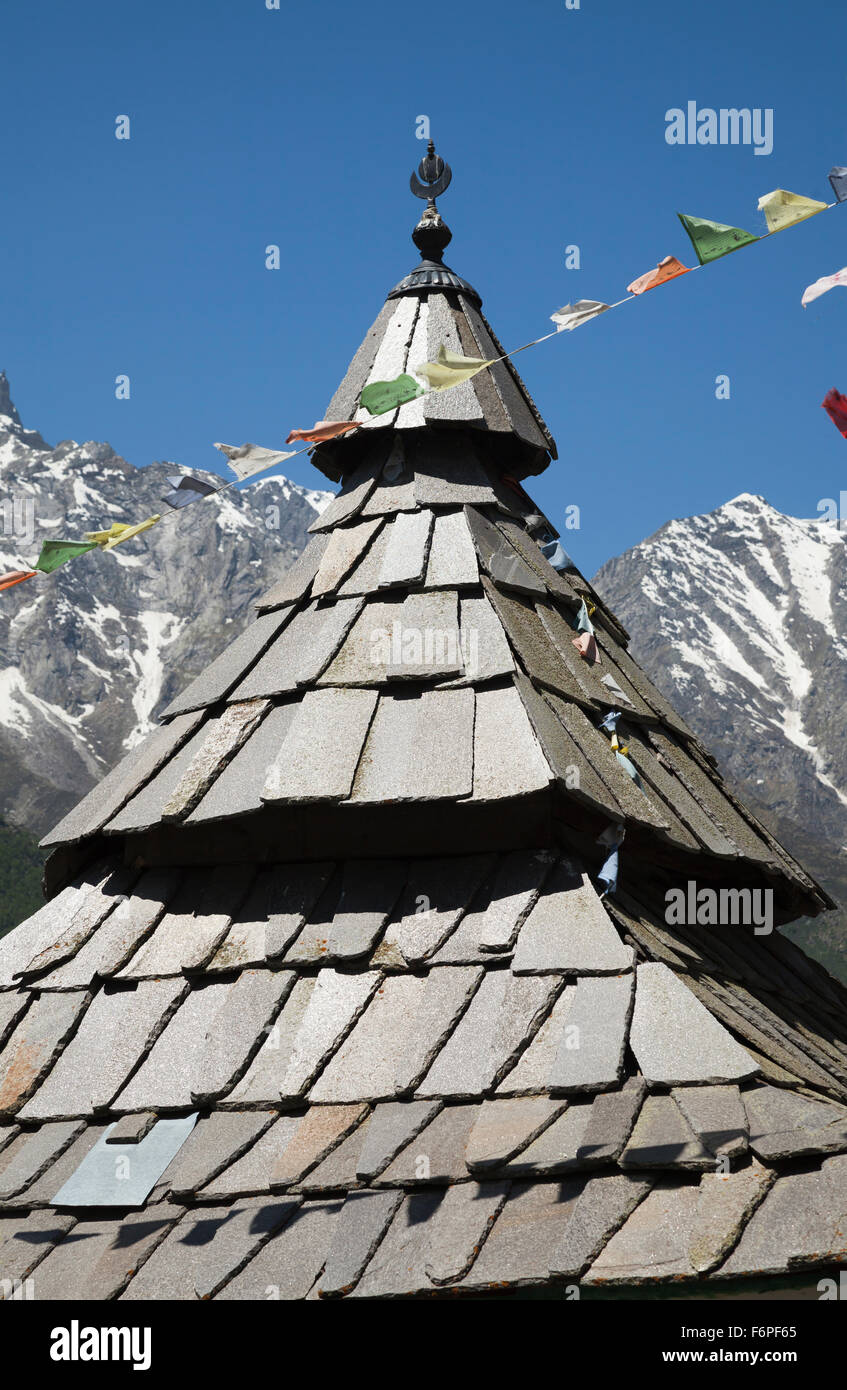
<point x="668" y="269"/>
<point x="8" y="580"/>
<point x="322" y="430"/>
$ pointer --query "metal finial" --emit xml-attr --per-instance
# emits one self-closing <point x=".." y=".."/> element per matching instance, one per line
<point x="432" y="177"/>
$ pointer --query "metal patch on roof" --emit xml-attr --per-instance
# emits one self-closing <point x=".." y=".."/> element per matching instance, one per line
<point x="123" y="1175"/>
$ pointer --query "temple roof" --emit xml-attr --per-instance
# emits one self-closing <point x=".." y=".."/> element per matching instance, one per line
<point x="330" y="961"/>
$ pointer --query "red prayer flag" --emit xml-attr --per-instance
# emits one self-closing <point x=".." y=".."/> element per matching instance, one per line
<point x="668" y="269"/>
<point x="12" y="577"/>
<point x="586" y="645"/>
<point x="835" y="406"/>
<point x="322" y="430"/>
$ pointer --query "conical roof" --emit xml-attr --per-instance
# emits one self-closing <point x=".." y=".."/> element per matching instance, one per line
<point x="327" y="959"/>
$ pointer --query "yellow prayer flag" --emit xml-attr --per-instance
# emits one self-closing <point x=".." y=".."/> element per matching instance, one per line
<point x="449" y="368"/>
<point x="119" y="532"/>
<point x="783" y="209"/>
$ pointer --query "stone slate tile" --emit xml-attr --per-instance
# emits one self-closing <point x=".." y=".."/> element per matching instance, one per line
<point x="169" y="1272"/>
<point x="170" y="1068"/>
<point x="216" y="1141"/>
<point x="252" y="1224"/>
<point x="144" y="810"/>
<point x="13" y="1004"/>
<point x="97" y="1258"/>
<point x="117" y="938"/>
<point x="432" y="1240"/>
<point x="346" y="547"/>
<point x="516" y="400"/>
<point x="369" y="891"/>
<point x="26" y="1240"/>
<point x="297" y="581"/>
<point x="251" y="1171"/>
<point x="508" y="760"/>
<point x="218" y="678"/>
<point x="195" y="924"/>
<point x="505" y="1127"/>
<point x="321" y="751"/>
<point x="511" y="894"/>
<point x="784" y="1124"/>
<point x="452" y="554"/>
<point x="446" y="473"/>
<point x="337" y="1171"/>
<point x="344" y="402"/>
<point x="600" y="1211"/>
<point x="597" y="751"/>
<point x="724" y="1205"/>
<point x="302" y="651"/>
<point x="35" y="1044"/>
<point x="92" y="910"/>
<point x="711" y="797"/>
<point x="224" y="739"/>
<point x="717" y="1115"/>
<point x="612" y="1118"/>
<point x="569" y="930"/>
<point x="675" y="1039"/>
<point x="287" y="1266"/>
<point x="238" y="1030"/>
<point x="123" y="782"/>
<point x="238" y="789"/>
<point x="591" y="1051"/>
<point x="131" y="1129"/>
<point x="321" y="1130"/>
<point x="335" y="1004"/>
<point x="652" y="1245"/>
<point x="31" y="1154"/>
<point x="396" y="1038"/>
<point x="504" y="1012"/>
<point x="663" y="1138"/>
<point x="501" y="561"/>
<point x="556" y="1150"/>
<point x="390" y="359"/>
<point x="359" y="1228"/>
<point x="427" y="643"/>
<point x="8" y="1132"/>
<point x="437" y="893"/>
<point x="420" y="748"/>
<point x="525" y="1236"/>
<point x="485" y="647"/>
<point x="392" y="1126"/>
<point x="394" y="494"/>
<point x="41" y="1192"/>
<point x="458" y="404"/>
<point x="407" y="551"/>
<point x="575" y="773"/>
<point x="261" y="1082"/>
<point x="351" y="499"/>
<point x="278" y="904"/>
<point x="364" y="578"/>
<point x="124" y="1175"/>
<point x="531" y="1073"/>
<point x="436" y="1154"/>
<point x="672" y="790"/>
<point x="18" y="947"/>
<point x="800" y="1223"/>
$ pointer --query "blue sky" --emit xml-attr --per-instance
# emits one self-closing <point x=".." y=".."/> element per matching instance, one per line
<point x="297" y="127"/>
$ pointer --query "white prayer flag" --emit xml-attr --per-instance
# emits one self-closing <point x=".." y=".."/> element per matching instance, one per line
<point x="572" y="315"/>
<point x="247" y="459"/>
<point x="826" y="282"/>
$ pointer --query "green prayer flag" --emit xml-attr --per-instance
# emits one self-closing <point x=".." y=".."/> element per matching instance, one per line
<point x="711" y="240"/>
<point x="56" y="553"/>
<point x="382" y="396"/>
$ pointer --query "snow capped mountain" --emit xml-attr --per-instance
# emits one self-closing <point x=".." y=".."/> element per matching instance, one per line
<point x="91" y="653"/>
<point x="740" y="617"/>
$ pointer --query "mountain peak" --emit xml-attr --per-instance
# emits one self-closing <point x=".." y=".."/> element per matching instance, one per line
<point x="7" y="407"/>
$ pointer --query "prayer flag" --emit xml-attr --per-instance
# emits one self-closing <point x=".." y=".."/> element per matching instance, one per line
<point x="382" y="396"/>
<point x="572" y="315"/>
<point x="184" y="489"/>
<point x="323" y="430"/>
<point x="668" y="269"/>
<point x="609" y="722"/>
<point x="451" y="368"/>
<point x="556" y="555"/>
<point x="119" y="532"/>
<point x="586" y="645"/>
<point x="615" y="690"/>
<point x="56" y="553"/>
<point x="838" y="179"/>
<point x="13" y="577"/>
<point x="783" y="209"/>
<point x="826" y="282"/>
<point x="835" y="406"/>
<point x="583" y="620"/>
<point x="608" y="874"/>
<point x="247" y="459"/>
<point x="711" y="240"/>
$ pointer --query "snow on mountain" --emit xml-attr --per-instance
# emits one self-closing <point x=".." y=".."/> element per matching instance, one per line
<point x="90" y="654"/>
<point x="740" y="617"/>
